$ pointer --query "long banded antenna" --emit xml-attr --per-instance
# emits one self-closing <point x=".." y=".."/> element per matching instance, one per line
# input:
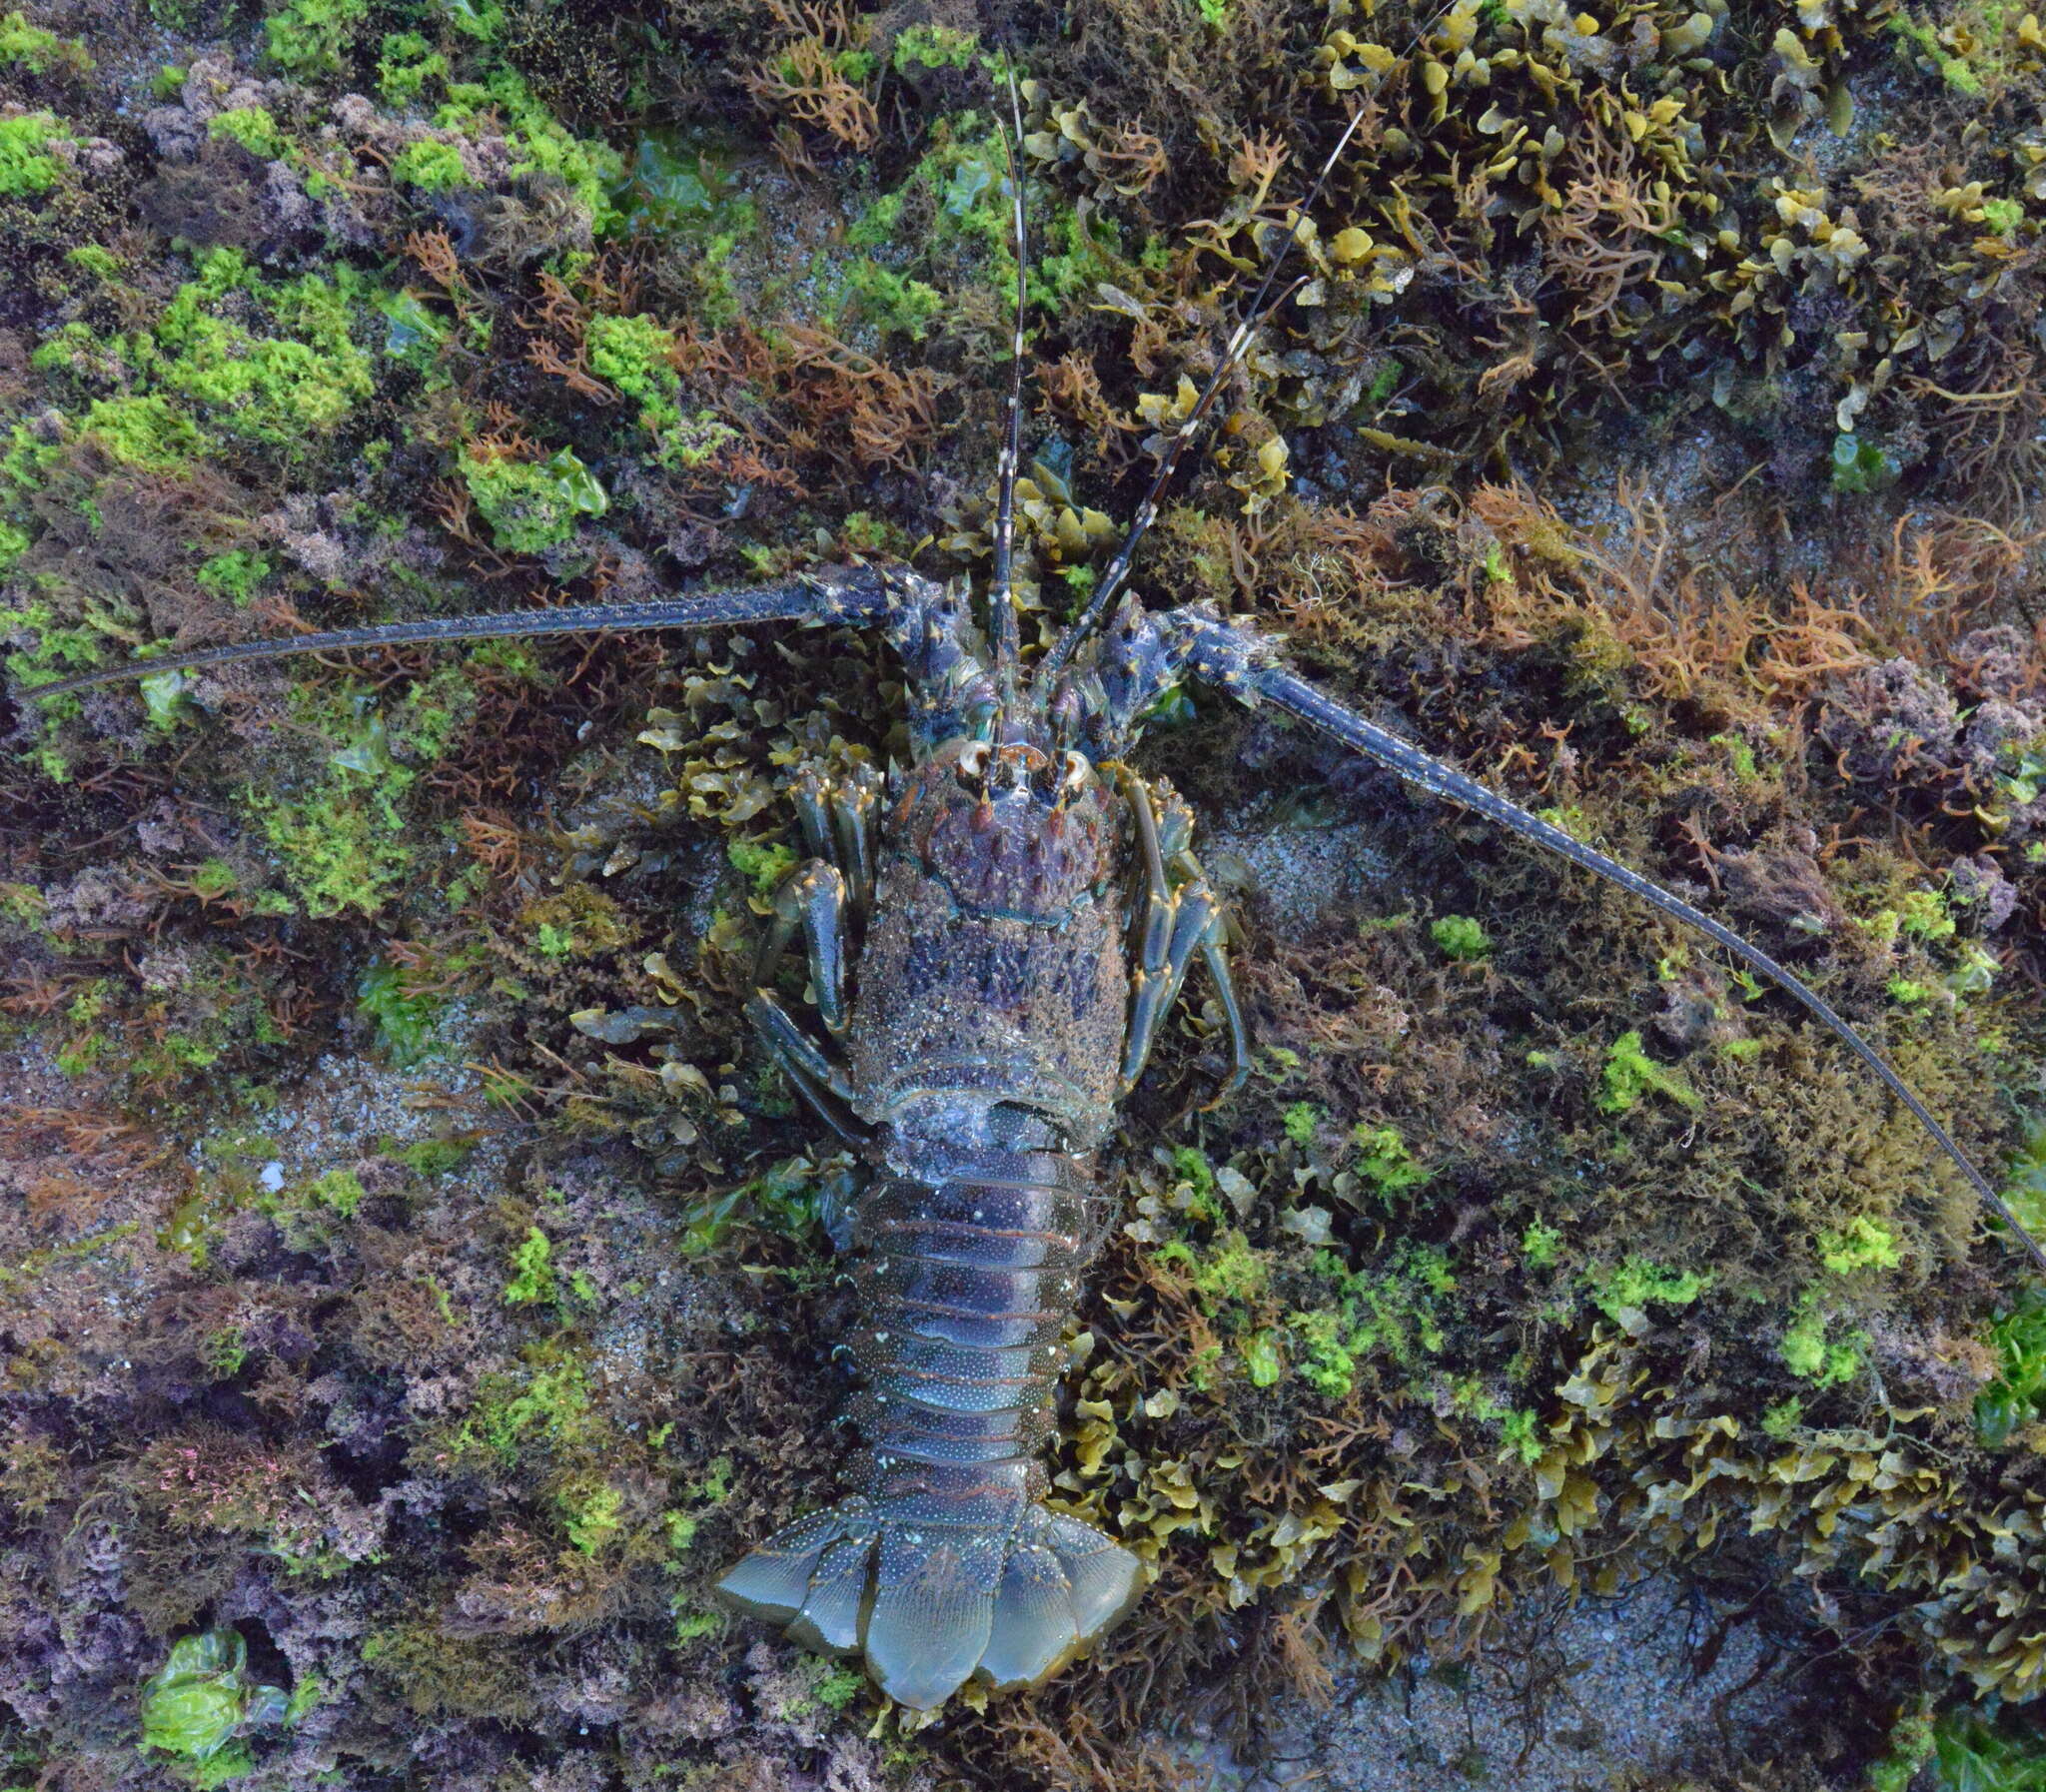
<point x="848" y="594"/>
<point x="1222" y="655"/>
<point x="1001" y="598"/>
<point x="1112" y="581"/>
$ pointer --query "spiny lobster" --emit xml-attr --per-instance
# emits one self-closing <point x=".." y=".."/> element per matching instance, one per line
<point x="993" y="936"/>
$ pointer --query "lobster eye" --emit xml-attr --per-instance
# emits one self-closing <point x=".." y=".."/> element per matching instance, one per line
<point x="973" y="762"/>
<point x="1075" y="779"/>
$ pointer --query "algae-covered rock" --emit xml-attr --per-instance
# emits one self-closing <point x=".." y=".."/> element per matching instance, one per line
<point x="417" y="1288"/>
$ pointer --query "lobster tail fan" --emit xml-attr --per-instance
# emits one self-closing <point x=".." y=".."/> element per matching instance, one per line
<point x="834" y="1605"/>
<point x="1103" y="1577"/>
<point x="933" y="1611"/>
<point x="932" y="1605"/>
<point x="1034" y="1628"/>
<point x="1058" y="1594"/>
<point x="773" y="1582"/>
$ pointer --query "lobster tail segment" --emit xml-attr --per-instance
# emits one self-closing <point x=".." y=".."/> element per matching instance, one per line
<point x="931" y="1604"/>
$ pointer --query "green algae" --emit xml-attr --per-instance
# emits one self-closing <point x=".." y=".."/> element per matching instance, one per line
<point x="1385" y="1161"/>
<point x="935" y="47"/>
<point x="2017" y="1396"/>
<point x="199" y="375"/>
<point x="1541" y="1245"/>
<point x="1623" y="1294"/>
<point x="592" y="1514"/>
<point x="26" y="167"/>
<point x="1862" y="1243"/>
<point x="546" y="1404"/>
<point x="406" y="1021"/>
<point x="39" y="51"/>
<point x="532" y="1271"/>
<point x="1816" y="1347"/>
<point x="637" y="355"/>
<point x="430" y="167"/>
<point x="407" y="65"/>
<point x="1461" y="937"/>
<point x="340" y="835"/>
<point x="1397" y="1313"/>
<point x="1973" y="1751"/>
<point x="764" y="865"/>
<point x="235" y="574"/>
<point x="1630" y="1074"/>
<point x="195" y="1705"/>
<point x="251" y="126"/>
<point x="588" y="169"/>
<point x="532" y="506"/>
<point x="314" y="37"/>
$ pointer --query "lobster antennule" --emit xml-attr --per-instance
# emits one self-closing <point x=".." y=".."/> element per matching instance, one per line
<point x="1261" y="307"/>
<point x="1239" y="663"/>
<point x="1003" y="632"/>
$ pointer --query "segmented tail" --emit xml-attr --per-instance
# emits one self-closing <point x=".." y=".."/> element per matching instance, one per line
<point x="943" y="1565"/>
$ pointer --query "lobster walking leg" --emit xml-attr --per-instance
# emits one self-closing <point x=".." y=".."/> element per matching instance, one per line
<point x="816" y="899"/>
<point x="1174" y="922"/>
<point x="837" y="820"/>
<point x="808" y="1064"/>
<point x="811" y="897"/>
<point x="1176" y="842"/>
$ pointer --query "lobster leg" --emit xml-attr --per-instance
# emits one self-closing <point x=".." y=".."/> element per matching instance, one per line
<point x="1174" y="840"/>
<point x="811" y="897"/>
<point x="816" y="899"/>
<point x="817" y="1079"/>
<point x="1214" y="955"/>
<point x="1174" y="922"/>
<point x="837" y="816"/>
<point x="1240" y="663"/>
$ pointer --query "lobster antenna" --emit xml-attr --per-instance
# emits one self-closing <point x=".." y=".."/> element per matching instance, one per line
<point x="1227" y="657"/>
<point x="851" y="594"/>
<point x="1113" y="580"/>
<point x="1008" y="646"/>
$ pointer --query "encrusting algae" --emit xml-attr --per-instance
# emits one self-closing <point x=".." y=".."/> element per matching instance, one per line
<point x="418" y="1289"/>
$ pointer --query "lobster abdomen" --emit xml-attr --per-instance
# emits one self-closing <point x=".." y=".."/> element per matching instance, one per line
<point x="942" y="1562"/>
